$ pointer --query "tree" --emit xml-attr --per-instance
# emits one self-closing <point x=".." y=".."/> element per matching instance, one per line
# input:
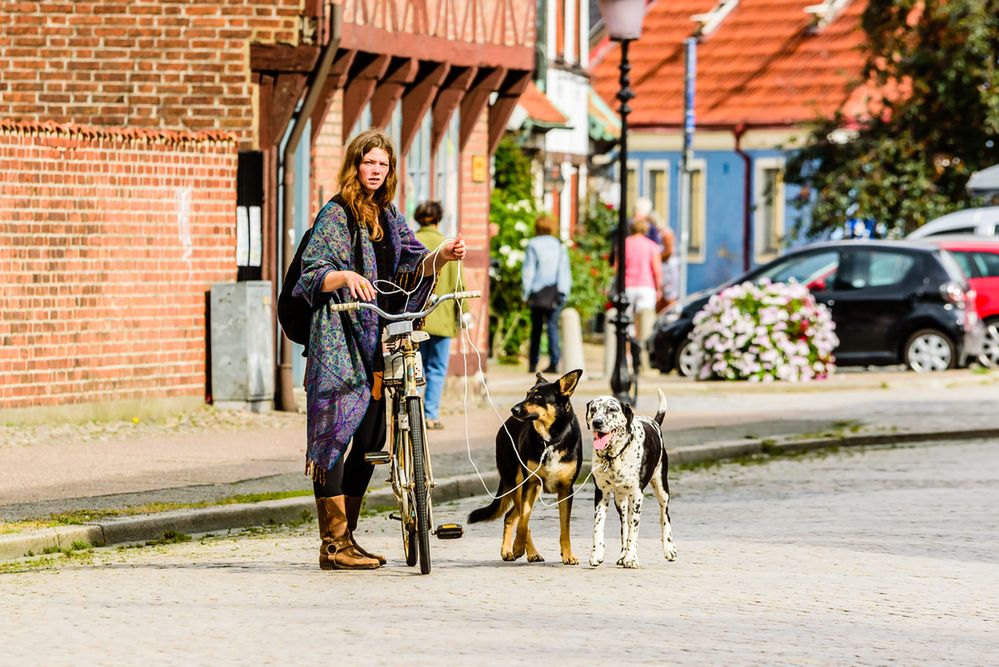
<point x="935" y="120"/>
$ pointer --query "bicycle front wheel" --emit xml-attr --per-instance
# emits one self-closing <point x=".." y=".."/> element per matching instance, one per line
<point x="421" y="488"/>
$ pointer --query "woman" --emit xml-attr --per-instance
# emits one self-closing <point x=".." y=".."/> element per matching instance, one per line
<point x="546" y="272"/>
<point x="642" y="268"/>
<point x="442" y="324"/>
<point x="358" y="238"/>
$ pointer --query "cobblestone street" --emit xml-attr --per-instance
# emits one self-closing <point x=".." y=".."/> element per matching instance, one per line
<point x="854" y="557"/>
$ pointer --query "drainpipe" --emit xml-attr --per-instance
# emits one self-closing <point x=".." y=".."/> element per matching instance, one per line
<point x="286" y="394"/>
<point x="747" y="198"/>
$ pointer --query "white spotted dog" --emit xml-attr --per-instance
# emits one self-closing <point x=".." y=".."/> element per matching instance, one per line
<point x="629" y="452"/>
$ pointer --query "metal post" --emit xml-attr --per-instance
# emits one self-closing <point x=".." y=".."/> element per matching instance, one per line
<point x="690" y="73"/>
<point x="621" y="378"/>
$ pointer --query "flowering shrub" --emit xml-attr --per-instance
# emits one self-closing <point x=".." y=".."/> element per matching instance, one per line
<point x="764" y="332"/>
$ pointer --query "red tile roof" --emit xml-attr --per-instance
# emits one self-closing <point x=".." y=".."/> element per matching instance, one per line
<point x="540" y="109"/>
<point x="762" y="66"/>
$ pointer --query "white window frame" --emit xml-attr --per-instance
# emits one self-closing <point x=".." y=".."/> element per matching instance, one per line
<point x="447" y="175"/>
<point x="775" y="225"/>
<point x="634" y="180"/>
<point x="418" y="176"/>
<point x="648" y="167"/>
<point x="699" y="165"/>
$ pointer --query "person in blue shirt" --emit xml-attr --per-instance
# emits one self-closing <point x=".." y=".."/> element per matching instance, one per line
<point x="546" y="265"/>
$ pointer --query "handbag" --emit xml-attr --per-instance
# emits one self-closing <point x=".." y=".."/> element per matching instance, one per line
<point x="547" y="298"/>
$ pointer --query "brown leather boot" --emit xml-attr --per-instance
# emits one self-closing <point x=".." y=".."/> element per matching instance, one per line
<point x="337" y="552"/>
<point x="353" y="512"/>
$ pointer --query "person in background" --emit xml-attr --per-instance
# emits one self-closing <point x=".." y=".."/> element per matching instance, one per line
<point x="663" y="235"/>
<point x="443" y="324"/>
<point x="642" y="268"/>
<point x="546" y="266"/>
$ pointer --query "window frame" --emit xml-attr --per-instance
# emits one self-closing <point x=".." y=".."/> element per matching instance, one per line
<point x="699" y="165"/>
<point x="776" y="225"/>
<point x="649" y="166"/>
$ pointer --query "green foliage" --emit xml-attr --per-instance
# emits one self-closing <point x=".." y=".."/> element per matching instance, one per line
<point x="511" y="208"/>
<point x="938" y="121"/>
<point x="589" y="255"/>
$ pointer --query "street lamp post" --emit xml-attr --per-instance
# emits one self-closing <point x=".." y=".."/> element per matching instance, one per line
<point x="623" y="19"/>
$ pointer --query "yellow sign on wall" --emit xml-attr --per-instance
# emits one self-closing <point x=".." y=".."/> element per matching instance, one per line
<point x="480" y="168"/>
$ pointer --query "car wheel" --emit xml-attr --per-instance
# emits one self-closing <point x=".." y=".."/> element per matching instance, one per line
<point x="929" y="350"/>
<point x="990" y="350"/>
<point x="687" y="363"/>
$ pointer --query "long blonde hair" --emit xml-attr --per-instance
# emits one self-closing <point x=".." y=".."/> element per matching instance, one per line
<point x="366" y="209"/>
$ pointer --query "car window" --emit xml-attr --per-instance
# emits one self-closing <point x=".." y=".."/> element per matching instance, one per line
<point x="863" y="268"/>
<point x="987" y="264"/>
<point x="965" y="260"/>
<point x="806" y="269"/>
<point x="953" y="230"/>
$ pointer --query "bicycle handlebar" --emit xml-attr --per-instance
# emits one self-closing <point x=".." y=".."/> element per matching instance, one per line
<point x="396" y="317"/>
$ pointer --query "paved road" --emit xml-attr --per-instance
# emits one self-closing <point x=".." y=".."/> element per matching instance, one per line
<point x="859" y="557"/>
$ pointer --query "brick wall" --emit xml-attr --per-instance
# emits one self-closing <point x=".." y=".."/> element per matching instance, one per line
<point x="138" y="63"/>
<point x="109" y="240"/>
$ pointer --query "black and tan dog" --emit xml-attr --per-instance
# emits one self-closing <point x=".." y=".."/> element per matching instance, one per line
<point x="539" y="447"/>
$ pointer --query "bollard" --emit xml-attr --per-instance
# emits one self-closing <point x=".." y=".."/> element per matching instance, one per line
<point x="646" y="320"/>
<point x="571" y="334"/>
<point x="610" y="342"/>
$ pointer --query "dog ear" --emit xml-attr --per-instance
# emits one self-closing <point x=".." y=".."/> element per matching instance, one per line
<point x="541" y="379"/>
<point x="588" y="404"/>
<point x="629" y="415"/>
<point x="567" y="383"/>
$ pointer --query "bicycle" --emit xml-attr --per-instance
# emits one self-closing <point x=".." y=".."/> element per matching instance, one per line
<point x="410" y="474"/>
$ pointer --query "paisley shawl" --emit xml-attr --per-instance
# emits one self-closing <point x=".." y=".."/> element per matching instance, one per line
<point x="337" y="383"/>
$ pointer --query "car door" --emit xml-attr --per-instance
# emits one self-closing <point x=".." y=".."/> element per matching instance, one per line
<point x="871" y="293"/>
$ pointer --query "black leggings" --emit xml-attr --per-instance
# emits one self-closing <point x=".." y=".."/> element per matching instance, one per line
<point x="351" y="474"/>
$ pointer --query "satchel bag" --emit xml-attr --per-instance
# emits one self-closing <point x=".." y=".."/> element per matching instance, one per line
<point x="547" y="298"/>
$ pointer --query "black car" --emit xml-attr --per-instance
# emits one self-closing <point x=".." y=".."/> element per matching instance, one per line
<point x="892" y="301"/>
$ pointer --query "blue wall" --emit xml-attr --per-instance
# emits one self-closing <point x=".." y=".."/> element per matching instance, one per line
<point x="725" y="171"/>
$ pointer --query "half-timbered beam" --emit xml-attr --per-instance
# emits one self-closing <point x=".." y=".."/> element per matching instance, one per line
<point x="417" y="98"/>
<point x="364" y="75"/>
<point x="501" y="109"/>
<point x="401" y="72"/>
<point x="448" y="96"/>
<point x="486" y="81"/>
<point x="337" y="78"/>
<point x="283" y="58"/>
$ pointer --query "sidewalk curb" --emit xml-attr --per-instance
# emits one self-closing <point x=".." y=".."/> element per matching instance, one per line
<point x="270" y="512"/>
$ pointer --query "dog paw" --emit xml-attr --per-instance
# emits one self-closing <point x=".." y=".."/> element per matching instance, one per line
<point x="620" y="560"/>
<point x="595" y="562"/>
<point x="670" y="552"/>
<point x="570" y="560"/>
<point x="535" y="558"/>
<point x="596" y="558"/>
<point x="508" y="556"/>
<point x="630" y="563"/>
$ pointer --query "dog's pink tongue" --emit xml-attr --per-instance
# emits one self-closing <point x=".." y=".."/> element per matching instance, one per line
<point x="599" y="442"/>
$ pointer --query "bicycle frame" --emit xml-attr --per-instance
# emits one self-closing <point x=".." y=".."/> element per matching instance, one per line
<point x="411" y="474"/>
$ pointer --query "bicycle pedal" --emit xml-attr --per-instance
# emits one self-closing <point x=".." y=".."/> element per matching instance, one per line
<point x="377" y="458"/>
<point x="449" y="531"/>
<point x="395" y="516"/>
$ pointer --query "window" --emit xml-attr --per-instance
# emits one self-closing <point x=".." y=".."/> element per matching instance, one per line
<point x="978" y="264"/>
<point x="698" y="211"/>
<point x="632" y="189"/>
<point x="953" y="231"/>
<point x="860" y="269"/>
<point x="446" y="176"/>
<point x="816" y="270"/>
<point x="769" y="213"/>
<point x="418" y="167"/>
<point x="657" y="188"/>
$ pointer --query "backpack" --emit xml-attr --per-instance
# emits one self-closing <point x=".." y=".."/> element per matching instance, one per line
<point x="294" y="312"/>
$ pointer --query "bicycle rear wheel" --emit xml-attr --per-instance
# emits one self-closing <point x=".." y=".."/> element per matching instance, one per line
<point x="421" y="490"/>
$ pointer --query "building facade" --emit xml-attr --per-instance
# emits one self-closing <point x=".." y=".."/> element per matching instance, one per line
<point x="150" y="149"/>
<point x="765" y="69"/>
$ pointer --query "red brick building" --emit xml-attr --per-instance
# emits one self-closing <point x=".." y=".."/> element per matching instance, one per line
<point x="130" y="132"/>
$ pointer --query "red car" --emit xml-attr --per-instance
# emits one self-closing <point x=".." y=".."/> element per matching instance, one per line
<point x="979" y="259"/>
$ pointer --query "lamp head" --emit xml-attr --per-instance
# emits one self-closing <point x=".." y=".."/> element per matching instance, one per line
<point x="623" y="18"/>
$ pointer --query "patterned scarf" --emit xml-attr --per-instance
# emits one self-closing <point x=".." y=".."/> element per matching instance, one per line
<point x="337" y="384"/>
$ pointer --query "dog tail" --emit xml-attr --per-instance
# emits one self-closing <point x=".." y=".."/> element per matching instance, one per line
<point x="661" y="412"/>
<point x="495" y="509"/>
